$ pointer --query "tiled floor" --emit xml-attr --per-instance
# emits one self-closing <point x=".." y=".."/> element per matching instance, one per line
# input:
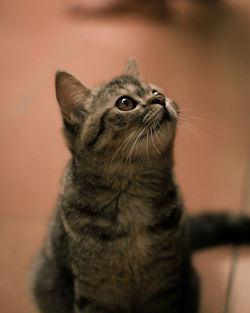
<point x="199" y="55"/>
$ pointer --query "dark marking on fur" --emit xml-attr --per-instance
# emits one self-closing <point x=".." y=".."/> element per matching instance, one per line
<point x="113" y="237"/>
<point x="169" y="295"/>
<point x="168" y="222"/>
<point x="72" y="128"/>
<point x="100" y="131"/>
<point x="81" y="302"/>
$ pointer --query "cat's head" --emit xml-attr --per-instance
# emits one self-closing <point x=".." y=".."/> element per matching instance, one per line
<point x="123" y="120"/>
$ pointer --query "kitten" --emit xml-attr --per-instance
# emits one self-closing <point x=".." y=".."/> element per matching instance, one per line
<point x="119" y="240"/>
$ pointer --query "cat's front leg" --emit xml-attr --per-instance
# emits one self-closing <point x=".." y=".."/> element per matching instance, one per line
<point x="182" y="296"/>
<point x="52" y="286"/>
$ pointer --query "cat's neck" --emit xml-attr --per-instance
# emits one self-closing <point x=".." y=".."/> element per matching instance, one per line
<point x="149" y="196"/>
<point x="118" y="175"/>
<point x="153" y="178"/>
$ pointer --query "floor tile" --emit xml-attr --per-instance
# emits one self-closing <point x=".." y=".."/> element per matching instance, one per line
<point x="240" y="301"/>
<point x="213" y="267"/>
<point x="20" y="239"/>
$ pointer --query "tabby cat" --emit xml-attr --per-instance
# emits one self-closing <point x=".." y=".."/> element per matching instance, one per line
<point x="119" y="240"/>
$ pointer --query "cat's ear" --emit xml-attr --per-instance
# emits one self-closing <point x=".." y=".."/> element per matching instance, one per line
<point x="131" y="69"/>
<point x="70" y="93"/>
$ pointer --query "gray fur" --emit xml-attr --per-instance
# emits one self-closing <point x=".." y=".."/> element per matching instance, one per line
<point x="118" y="239"/>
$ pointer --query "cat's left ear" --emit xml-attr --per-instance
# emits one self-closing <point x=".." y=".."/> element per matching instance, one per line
<point x="71" y="95"/>
<point x="131" y="68"/>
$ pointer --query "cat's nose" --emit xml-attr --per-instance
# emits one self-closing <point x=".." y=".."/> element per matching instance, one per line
<point x="157" y="99"/>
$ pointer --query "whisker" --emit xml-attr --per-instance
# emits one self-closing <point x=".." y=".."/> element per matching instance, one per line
<point x="152" y="139"/>
<point x="123" y="150"/>
<point x="147" y="148"/>
<point x="160" y="133"/>
<point x="195" y="131"/>
<point x="185" y="112"/>
<point x="129" y="156"/>
<point x="195" y="117"/>
<point x="157" y="137"/>
<point x="124" y="143"/>
<point x="182" y="119"/>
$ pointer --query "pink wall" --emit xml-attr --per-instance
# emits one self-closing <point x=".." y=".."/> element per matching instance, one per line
<point x="198" y="54"/>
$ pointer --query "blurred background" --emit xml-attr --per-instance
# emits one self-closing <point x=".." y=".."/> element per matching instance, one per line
<point x="197" y="51"/>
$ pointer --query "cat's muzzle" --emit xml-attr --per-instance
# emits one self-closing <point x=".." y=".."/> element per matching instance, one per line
<point x="157" y="99"/>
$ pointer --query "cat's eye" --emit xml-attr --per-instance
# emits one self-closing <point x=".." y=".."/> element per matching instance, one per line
<point x="126" y="103"/>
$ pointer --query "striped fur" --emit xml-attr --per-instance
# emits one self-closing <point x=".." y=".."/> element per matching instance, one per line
<point x="118" y="240"/>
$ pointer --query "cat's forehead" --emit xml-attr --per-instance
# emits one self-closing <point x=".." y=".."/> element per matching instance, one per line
<point x="129" y="85"/>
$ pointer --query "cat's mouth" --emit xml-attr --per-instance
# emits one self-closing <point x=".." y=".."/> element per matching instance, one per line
<point x="165" y="118"/>
<point x="156" y="123"/>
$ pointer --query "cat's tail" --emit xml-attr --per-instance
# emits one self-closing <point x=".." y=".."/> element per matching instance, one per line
<point x="214" y="229"/>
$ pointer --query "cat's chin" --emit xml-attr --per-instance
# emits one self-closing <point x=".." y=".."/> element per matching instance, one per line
<point x="163" y="128"/>
<point x="156" y="140"/>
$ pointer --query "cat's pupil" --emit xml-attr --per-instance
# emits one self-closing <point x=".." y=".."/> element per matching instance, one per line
<point x="126" y="103"/>
<point x="155" y="92"/>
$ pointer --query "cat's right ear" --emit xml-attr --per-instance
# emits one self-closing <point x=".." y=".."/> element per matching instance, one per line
<point x="70" y="93"/>
<point x="131" y="68"/>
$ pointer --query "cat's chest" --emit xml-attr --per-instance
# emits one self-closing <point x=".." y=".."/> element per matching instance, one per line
<point x="122" y="245"/>
<point x="121" y="259"/>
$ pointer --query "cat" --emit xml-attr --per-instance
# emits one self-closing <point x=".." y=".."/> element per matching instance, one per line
<point x="119" y="239"/>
